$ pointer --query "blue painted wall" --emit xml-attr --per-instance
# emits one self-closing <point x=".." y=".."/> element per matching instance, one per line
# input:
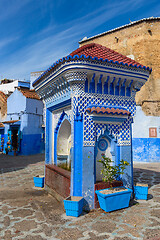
<point x="88" y="176"/>
<point x="126" y="155"/>
<point x="78" y="155"/>
<point x="31" y="144"/>
<point x="146" y="149"/>
<point x="48" y="149"/>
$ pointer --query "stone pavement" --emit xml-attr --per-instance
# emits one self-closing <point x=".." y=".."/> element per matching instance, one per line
<point x="30" y="213"/>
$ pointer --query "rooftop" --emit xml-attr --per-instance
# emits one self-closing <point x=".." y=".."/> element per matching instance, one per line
<point x="3" y="97"/>
<point x="29" y="93"/>
<point x="85" y="39"/>
<point x="95" y="52"/>
<point x="99" y="51"/>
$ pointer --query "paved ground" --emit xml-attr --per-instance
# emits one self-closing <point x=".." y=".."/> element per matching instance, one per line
<point x="29" y="213"/>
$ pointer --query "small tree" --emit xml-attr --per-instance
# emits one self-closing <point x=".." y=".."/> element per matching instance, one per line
<point x="111" y="173"/>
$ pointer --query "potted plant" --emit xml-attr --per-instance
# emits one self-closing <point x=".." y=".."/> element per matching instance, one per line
<point x="111" y="199"/>
<point x="39" y="181"/>
<point x="73" y="206"/>
<point x="141" y="191"/>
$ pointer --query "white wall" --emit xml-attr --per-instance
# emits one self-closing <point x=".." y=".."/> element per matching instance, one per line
<point x="142" y="123"/>
<point x="10" y="87"/>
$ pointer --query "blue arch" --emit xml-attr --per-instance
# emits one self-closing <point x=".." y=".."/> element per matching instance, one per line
<point x="63" y="117"/>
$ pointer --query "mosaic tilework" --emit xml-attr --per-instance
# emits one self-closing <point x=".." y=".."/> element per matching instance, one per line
<point x="80" y="76"/>
<point x="93" y="130"/>
<point x="77" y="89"/>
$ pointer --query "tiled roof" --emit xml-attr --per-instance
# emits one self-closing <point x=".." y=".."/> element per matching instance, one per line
<point x="11" y="121"/>
<point x="107" y="110"/>
<point x="29" y="93"/>
<point x="3" y="97"/>
<point x="121" y="27"/>
<point x="95" y="52"/>
<point x="1" y="125"/>
<point x="99" y="51"/>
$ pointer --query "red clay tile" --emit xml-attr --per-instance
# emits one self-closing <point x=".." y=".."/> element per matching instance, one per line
<point x="107" y="110"/>
<point x="97" y="50"/>
<point x="29" y="93"/>
<point x="11" y="121"/>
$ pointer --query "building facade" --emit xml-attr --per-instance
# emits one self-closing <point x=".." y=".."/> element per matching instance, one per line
<point x="3" y="115"/>
<point x="140" y="40"/>
<point x="8" y="86"/>
<point x="23" y="132"/>
<point x="90" y="105"/>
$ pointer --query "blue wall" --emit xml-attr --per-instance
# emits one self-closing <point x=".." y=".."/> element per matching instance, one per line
<point x="78" y="155"/>
<point x="31" y="144"/>
<point x="48" y="149"/>
<point x="88" y="176"/>
<point x="146" y="149"/>
<point x="125" y="154"/>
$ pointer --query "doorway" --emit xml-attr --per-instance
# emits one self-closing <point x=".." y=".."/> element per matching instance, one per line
<point x="14" y="138"/>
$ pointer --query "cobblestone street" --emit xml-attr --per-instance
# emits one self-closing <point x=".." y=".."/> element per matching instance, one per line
<point x="30" y="213"/>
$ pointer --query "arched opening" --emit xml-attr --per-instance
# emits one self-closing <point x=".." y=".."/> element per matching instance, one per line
<point x="64" y="145"/>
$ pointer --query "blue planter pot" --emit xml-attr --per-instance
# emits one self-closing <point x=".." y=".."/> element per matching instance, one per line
<point x="141" y="191"/>
<point x="39" y="181"/>
<point x="73" y="206"/>
<point x="114" y="201"/>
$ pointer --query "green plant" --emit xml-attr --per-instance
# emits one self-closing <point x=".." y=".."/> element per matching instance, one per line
<point x="65" y="166"/>
<point x="111" y="173"/>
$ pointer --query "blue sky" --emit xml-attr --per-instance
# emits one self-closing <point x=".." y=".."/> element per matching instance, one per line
<point x="36" y="33"/>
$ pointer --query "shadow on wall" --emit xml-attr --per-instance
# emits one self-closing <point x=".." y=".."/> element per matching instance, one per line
<point x="10" y="163"/>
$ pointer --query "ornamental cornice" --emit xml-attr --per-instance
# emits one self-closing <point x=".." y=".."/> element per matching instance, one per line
<point x="77" y="70"/>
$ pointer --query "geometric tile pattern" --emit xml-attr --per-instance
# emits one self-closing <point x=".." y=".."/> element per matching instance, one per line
<point x="92" y="130"/>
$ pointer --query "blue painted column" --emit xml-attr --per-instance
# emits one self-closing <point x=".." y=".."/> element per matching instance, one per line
<point x="106" y="86"/>
<point x="125" y="154"/>
<point x="117" y="160"/>
<point x="99" y="85"/>
<point x="88" y="176"/>
<point x="48" y="145"/>
<point x="55" y="146"/>
<point x="92" y="85"/>
<point x="131" y="157"/>
<point x="77" y="154"/>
